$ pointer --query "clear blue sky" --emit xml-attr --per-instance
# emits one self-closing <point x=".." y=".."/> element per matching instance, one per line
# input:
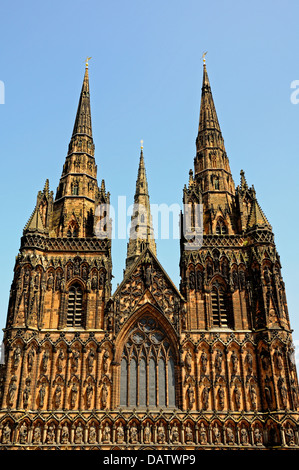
<point x="145" y="80"/>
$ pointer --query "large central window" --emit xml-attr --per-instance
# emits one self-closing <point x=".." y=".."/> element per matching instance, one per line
<point x="147" y="367"/>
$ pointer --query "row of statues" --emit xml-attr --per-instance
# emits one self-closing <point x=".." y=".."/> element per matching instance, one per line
<point x="160" y="434"/>
<point x="133" y="433"/>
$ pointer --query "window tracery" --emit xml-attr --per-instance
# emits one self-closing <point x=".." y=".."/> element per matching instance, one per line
<point x="147" y="367"/>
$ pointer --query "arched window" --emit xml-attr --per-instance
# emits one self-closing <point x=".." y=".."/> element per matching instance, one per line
<point x="221" y="314"/>
<point x="75" y="188"/>
<point x="73" y="229"/>
<point x="221" y="228"/>
<point x="74" y="310"/>
<point x="147" y="376"/>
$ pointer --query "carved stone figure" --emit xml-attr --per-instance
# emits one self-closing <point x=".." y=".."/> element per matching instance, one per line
<point x="147" y="434"/>
<point x="237" y="397"/>
<point x="188" y="434"/>
<point x="6" y="434"/>
<point x="41" y="395"/>
<point x="79" y="434"/>
<point x="161" y="434"/>
<point x="175" y="434"/>
<point x="92" y="434"/>
<point x="244" y="436"/>
<point x="89" y="394"/>
<point x="17" y="357"/>
<point x="205" y="397"/>
<point x="202" y="434"/>
<point x="30" y="359"/>
<point x="50" y="436"/>
<point x="230" y="436"/>
<point x="203" y="361"/>
<point x="221" y="394"/>
<point x="253" y="394"/>
<point x="105" y="361"/>
<point x="216" y="434"/>
<point x="249" y="362"/>
<point x="75" y="360"/>
<point x="188" y="362"/>
<point x="120" y="434"/>
<point x="45" y="360"/>
<point x="258" y="438"/>
<point x="133" y="434"/>
<point x="104" y="395"/>
<point x="26" y="392"/>
<point x="64" y="434"/>
<point x="190" y="394"/>
<point x="90" y="360"/>
<point x="37" y="435"/>
<point x="234" y="360"/>
<point x="289" y="435"/>
<point x="57" y="396"/>
<point x="23" y="433"/>
<point x="60" y="359"/>
<point x="106" y="433"/>
<point x="74" y="394"/>
<point x="218" y="361"/>
<point x="11" y="390"/>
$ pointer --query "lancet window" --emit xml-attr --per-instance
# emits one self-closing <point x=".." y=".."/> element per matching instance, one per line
<point x="221" y="314"/>
<point x="75" y="311"/>
<point x="221" y="228"/>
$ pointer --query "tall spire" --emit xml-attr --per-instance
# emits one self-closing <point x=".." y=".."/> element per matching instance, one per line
<point x="208" y="119"/>
<point x="212" y="173"/>
<point x="141" y="231"/>
<point x="210" y="149"/>
<point x="78" y="188"/>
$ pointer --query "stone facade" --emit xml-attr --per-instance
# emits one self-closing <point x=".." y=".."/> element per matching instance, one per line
<point x="151" y="366"/>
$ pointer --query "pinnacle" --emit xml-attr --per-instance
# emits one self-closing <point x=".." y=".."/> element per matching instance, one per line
<point x="83" y="118"/>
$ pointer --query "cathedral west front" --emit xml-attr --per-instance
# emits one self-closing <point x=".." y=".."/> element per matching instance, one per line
<point x="208" y="364"/>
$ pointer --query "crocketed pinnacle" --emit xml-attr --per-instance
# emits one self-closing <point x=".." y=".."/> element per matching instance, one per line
<point x="208" y="119"/>
<point x="83" y="118"/>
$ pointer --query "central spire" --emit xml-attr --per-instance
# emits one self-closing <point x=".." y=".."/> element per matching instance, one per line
<point x="141" y="231"/>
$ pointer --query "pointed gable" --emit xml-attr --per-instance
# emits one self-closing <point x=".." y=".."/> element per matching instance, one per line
<point x="147" y="282"/>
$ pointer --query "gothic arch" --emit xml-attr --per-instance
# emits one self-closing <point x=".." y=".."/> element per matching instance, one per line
<point x="147" y="361"/>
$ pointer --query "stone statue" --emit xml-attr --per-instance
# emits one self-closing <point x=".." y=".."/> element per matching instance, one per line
<point x="120" y="433"/>
<point x="147" y="434"/>
<point x="175" y="434"/>
<point x="64" y="434"/>
<point x="41" y="394"/>
<point x="106" y="433"/>
<point x="161" y="434"/>
<point x="6" y="434"/>
<point x="92" y="434"/>
<point x="202" y="434"/>
<point x="133" y="434"/>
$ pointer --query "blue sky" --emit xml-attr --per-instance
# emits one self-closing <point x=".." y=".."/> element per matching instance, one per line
<point x="145" y="81"/>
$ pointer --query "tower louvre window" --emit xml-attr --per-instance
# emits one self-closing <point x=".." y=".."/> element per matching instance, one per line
<point x="74" y="311"/>
<point x="220" y="308"/>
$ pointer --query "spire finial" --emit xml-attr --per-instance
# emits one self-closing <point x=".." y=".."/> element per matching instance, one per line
<point x="86" y="62"/>
<point x="204" y="57"/>
<point x="141" y="144"/>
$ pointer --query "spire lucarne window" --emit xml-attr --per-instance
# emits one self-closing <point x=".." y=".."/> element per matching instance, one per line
<point x="147" y="367"/>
